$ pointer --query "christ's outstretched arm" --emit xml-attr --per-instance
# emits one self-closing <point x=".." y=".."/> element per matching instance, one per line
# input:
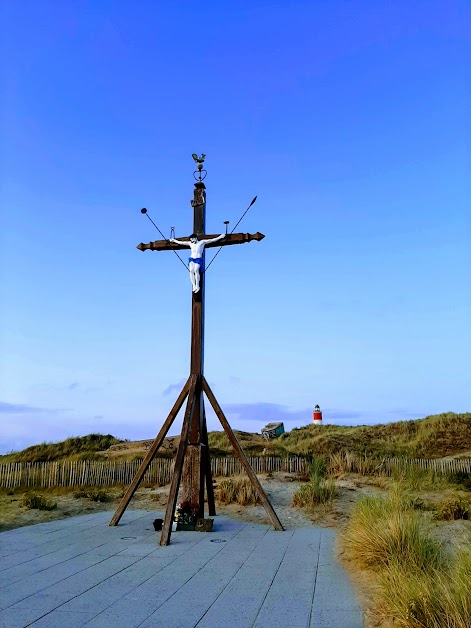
<point x="180" y="242"/>
<point x="219" y="237"/>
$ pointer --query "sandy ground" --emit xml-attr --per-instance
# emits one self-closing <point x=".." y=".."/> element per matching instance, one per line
<point x="278" y="486"/>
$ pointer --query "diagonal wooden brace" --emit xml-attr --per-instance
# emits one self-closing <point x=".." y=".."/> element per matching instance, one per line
<point x="150" y="455"/>
<point x="242" y="457"/>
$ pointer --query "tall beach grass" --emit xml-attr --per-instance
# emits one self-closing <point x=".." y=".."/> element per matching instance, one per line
<point x="318" y="489"/>
<point x="417" y="584"/>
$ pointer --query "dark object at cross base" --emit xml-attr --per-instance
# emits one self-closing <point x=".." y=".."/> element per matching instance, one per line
<point x="158" y="524"/>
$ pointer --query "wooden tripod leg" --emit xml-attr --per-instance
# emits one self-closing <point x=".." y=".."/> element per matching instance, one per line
<point x="207" y="469"/>
<point x="245" y="463"/>
<point x="177" y="471"/>
<point x="123" y="504"/>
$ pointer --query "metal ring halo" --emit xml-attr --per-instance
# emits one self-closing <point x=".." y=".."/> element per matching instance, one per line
<point x="200" y="176"/>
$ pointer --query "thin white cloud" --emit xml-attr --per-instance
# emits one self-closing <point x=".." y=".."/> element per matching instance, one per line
<point x="174" y="387"/>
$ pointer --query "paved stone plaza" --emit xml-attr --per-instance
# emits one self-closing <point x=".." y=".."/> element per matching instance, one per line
<point x="80" y="572"/>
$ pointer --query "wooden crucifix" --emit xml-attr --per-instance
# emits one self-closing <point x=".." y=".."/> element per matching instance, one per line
<point x="192" y="463"/>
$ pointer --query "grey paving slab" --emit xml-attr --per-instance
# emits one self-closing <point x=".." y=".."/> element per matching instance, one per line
<point x="12" y="618"/>
<point x="26" y="552"/>
<point x="324" y="618"/>
<point x="34" y="584"/>
<point x="141" y="603"/>
<point x="244" y="596"/>
<point x="44" y="562"/>
<point x="327" y="548"/>
<point x="80" y="572"/>
<point x="188" y="605"/>
<point x="63" y="619"/>
<point x="61" y="592"/>
<point x="285" y="604"/>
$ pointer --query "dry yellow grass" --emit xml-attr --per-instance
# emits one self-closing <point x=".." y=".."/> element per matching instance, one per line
<point x="238" y="491"/>
<point x="417" y="584"/>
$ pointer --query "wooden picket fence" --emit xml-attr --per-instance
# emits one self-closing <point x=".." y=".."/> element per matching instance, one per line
<point x="442" y="466"/>
<point x="109" y="473"/>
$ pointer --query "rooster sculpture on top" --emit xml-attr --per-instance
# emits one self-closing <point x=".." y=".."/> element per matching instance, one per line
<point x="199" y="160"/>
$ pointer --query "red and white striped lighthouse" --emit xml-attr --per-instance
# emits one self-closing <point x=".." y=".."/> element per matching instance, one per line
<point x="317" y="416"/>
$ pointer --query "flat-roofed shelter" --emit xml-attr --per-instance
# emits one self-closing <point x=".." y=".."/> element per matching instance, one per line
<point x="273" y="430"/>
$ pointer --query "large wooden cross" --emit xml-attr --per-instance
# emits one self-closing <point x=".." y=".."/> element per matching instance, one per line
<point x="192" y="463"/>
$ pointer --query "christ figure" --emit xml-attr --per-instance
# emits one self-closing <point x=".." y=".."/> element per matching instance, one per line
<point x="195" y="262"/>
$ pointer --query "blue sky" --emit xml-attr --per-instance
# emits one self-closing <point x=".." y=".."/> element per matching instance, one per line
<point x="349" y="120"/>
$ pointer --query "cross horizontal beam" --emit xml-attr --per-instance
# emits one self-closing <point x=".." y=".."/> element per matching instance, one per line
<point x="233" y="238"/>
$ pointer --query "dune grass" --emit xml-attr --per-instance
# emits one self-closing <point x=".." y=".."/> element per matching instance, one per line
<point x="430" y="597"/>
<point x="318" y="489"/>
<point x="434" y="436"/>
<point x="236" y="491"/>
<point x="34" y="501"/>
<point x="385" y="531"/>
<point x="417" y="584"/>
<point x="81" y="447"/>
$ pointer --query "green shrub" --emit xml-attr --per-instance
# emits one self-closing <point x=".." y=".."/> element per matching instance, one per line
<point x="81" y="493"/>
<point x="461" y="478"/>
<point x="455" y="509"/>
<point x="98" y="495"/>
<point x="33" y="501"/>
<point x="94" y="494"/>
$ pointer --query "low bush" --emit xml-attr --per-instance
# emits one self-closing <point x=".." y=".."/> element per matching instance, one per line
<point x="99" y="495"/>
<point x="33" y="501"/>
<point x="94" y="494"/>
<point x="452" y="510"/>
<point x="81" y="493"/>
<point x="461" y="478"/>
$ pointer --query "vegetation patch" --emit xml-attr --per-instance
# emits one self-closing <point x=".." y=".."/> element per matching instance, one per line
<point x="94" y="494"/>
<point x="236" y="492"/>
<point x="386" y="531"/>
<point x="454" y="509"/>
<point x="318" y="489"/>
<point x="78" y="447"/>
<point x="33" y="501"/>
<point x="462" y="479"/>
<point x="359" y="449"/>
<point x="416" y="583"/>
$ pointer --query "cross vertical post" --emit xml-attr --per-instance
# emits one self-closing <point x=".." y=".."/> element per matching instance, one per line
<point x="194" y="470"/>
